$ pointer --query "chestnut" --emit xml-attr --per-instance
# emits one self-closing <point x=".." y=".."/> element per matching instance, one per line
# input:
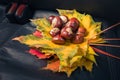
<point x="57" y="22"/>
<point x="64" y="19"/>
<point x="67" y="32"/>
<point x="58" y="39"/>
<point x="73" y="23"/>
<point x="50" y="18"/>
<point x="81" y="31"/>
<point x="54" y="31"/>
<point x="77" y="39"/>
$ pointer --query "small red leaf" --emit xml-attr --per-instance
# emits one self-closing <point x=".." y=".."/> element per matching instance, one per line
<point x="37" y="33"/>
<point x="38" y="54"/>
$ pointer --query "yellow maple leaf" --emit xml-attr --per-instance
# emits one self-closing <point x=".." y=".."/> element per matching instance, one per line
<point x="70" y="55"/>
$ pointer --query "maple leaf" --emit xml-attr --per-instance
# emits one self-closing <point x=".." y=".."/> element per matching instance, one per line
<point x="38" y="54"/>
<point x="37" y="33"/>
<point x="54" y="66"/>
<point x="70" y="56"/>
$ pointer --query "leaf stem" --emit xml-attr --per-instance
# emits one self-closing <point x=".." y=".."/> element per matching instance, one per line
<point x="109" y="28"/>
<point x="105" y="45"/>
<point x="111" y="39"/>
<point x="105" y="53"/>
<point x="106" y="29"/>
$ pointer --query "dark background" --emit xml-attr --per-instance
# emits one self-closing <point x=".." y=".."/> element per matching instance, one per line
<point x="17" y="64"/>
<point x="100" y="8"/>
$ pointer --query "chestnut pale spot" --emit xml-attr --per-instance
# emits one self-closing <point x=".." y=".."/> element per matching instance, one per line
<point x="54" y="31"/>
<point x="64" y="19"/>
<point x="73" y="23"/>
<point x="69" y="30"/>
<point x="66" y="33"/>
<point x="57" y="22"/>
<point x="50" y="18"/>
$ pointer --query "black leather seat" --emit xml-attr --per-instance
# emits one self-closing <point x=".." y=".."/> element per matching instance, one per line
<point x="2" y="13"/>
<point x="17" y="64"/>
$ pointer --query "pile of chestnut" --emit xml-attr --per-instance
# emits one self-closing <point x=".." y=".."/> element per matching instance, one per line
<point x="66" y="29"/>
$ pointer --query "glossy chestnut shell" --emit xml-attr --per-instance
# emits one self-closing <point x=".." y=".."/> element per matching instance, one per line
<point x="73" y="23"/>
<point x="57" y="22"/>
<point x="54" y="31"/>
<point x="64" y="19"/>
<point x="58" y="39"/>
<point x="67" y="32"/>
<point x="77" y="39"/>
<point x="50" y="18"/>
<point x="81" y="31"/>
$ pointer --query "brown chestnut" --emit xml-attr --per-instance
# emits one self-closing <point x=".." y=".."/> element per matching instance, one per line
<point x="50" y="18"/>
<point x="64" y="19"/>
<point x="67" y="32"/>
<point x="54" y="31"/>
<point x="57" y="22"/>
<point x="81" y="31"/>
<point x="73" y="23"/>
<point x="77" y="39"/>
<point x="58" y="39"/>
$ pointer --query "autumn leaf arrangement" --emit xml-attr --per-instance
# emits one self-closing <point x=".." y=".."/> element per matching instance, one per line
<point x="67" y="41"/>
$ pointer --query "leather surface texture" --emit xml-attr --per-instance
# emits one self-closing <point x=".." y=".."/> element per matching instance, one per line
<point x="17" y="64"/>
